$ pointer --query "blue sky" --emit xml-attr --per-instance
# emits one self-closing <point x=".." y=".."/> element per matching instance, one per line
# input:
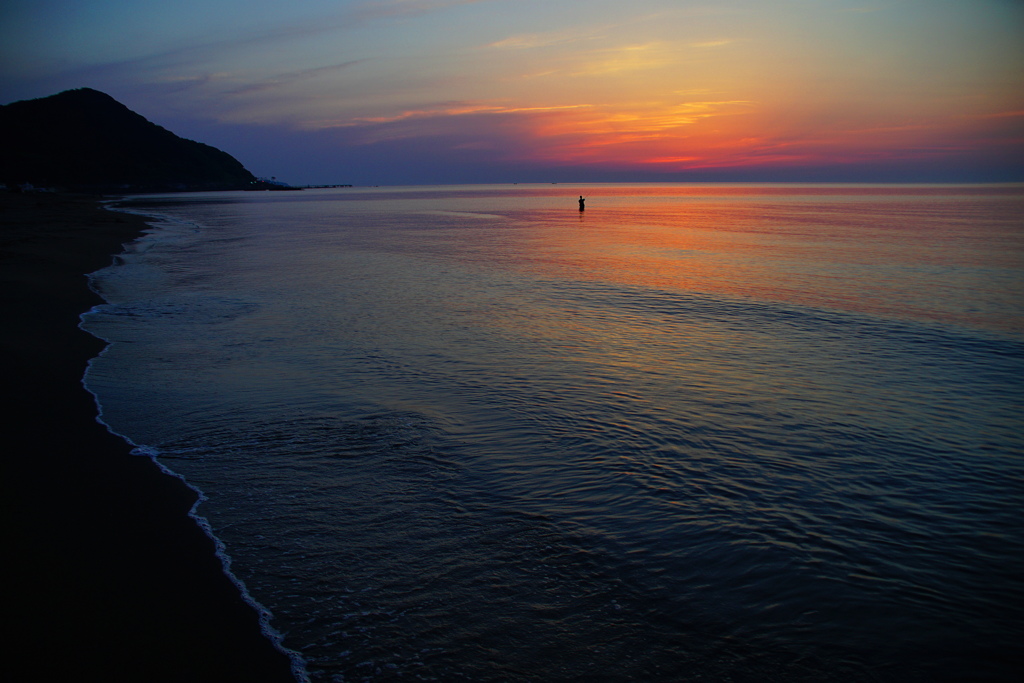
<point x="425" y="91"/>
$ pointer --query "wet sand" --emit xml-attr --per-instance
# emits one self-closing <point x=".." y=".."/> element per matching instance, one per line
<point x="111" y="580"/>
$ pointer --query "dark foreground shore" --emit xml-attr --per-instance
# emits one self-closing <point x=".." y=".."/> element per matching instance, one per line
<point x="108" y="578"/>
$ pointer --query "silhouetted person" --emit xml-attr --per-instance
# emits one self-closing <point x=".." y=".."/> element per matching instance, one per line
<point x="581" y="202"/>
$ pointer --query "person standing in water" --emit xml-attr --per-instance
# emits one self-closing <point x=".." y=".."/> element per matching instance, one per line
<point x="581" y="202"/>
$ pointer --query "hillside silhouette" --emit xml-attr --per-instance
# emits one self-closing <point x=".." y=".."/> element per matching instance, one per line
<point x="85" y="140"/>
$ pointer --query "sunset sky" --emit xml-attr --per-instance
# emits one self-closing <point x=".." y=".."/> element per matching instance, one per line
<point x="437" y="91"/>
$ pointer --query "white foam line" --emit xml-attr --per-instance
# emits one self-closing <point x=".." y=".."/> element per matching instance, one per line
<point x="298" y="662"/>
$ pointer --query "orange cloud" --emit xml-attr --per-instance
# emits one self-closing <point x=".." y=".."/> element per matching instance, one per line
<point x="635" y="133"/>
<point x="458" y="110"/>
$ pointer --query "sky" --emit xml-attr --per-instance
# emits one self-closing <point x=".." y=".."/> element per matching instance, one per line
<point x="453" y="91"/>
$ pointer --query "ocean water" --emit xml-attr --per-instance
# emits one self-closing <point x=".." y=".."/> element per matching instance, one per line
<point x="719" y="433"/>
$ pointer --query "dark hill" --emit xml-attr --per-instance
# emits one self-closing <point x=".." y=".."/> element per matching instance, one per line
<point x="86" y="140"/>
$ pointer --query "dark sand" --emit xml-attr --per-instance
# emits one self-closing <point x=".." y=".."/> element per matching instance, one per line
<point x="108" y="579"/>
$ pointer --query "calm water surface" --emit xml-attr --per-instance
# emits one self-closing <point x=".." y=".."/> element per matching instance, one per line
<point x="693" y="433"/>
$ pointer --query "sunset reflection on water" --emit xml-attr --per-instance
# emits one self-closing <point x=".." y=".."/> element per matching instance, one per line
<point x="876" y="250"/>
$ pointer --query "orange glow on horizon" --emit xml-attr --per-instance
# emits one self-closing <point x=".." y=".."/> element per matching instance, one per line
<point x="739" y="134"/>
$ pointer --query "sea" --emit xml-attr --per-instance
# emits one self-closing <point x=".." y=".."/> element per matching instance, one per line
<point x="695" y="432"/>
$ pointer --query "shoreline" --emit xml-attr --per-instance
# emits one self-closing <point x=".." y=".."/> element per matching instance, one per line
<point x="113" y="579"/>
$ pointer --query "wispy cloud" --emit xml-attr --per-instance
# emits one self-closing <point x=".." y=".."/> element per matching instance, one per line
<point x="392" y="8"/>
<point x="1000" y="115"/>
<point x="259" y="43"/>
<point x="529" y="41"/>
<point x="626" y="58"/>
<point x="612" y="132"/>
<point x="576" y="34"/>
<point x="713" y="43"/>
<point x="291" y="78"/>
<point x="447" y="110"/>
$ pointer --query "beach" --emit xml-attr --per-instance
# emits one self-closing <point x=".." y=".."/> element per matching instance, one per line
<point x="112" y="580"/>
